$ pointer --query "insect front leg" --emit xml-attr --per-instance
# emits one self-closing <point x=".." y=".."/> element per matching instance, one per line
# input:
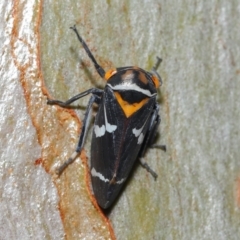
<point x="95" y="98"/>
<point x="94" y="91"/>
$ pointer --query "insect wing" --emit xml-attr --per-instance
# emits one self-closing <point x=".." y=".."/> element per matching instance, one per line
<point x="116" y="143"/>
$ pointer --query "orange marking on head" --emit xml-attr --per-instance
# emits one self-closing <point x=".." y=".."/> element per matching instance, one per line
<point x="155" y="81"/>
<point x="135" y="67"/>
<point x="128" y="108"/>
<point x="110" y="73"/>
<point x="128" y="75"/>
<point x="142" y="77"/>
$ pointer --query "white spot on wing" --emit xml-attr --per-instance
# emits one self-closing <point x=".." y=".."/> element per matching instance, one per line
<point x="121" y="181"/>
<point x="99" y="131"/>
<point x="110" y="128"/>
<point x="102" y="178"/>
<point x="131" y="86"/>
<point x="99" y="175"/>
<point x="138" y="134"/>
<point x="140" y="139"/>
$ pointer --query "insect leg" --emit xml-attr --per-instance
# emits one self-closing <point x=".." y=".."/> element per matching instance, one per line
<point x="146" y="166"/>
<point x="94" y="99"/>
<point x="82" y="135"/>
<point x="99" y="69"/>
<point x="95" y="91"/>
<point x="149" y="138"/>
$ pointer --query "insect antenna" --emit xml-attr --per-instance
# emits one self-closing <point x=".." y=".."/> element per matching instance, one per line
<point x="99" y="69"/>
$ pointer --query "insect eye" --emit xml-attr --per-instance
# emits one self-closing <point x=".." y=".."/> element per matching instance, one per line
<point x="157" y="80"/>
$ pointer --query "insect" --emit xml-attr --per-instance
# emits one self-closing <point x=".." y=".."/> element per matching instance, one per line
<point x="125" y="125"/>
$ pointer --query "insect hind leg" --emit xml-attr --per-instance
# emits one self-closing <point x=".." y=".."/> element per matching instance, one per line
<point x="160" y="146"/>
<point x="146" y="166"/>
